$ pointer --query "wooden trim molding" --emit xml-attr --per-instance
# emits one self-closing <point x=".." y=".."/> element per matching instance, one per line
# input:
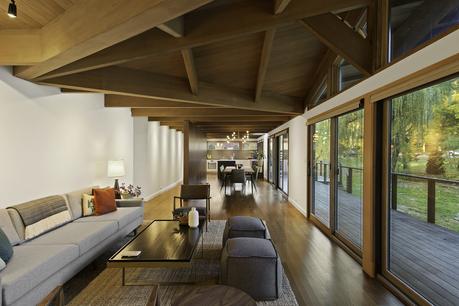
<point x="343" y="108"/>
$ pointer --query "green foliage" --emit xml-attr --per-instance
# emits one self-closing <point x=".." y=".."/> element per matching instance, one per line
<point x="435" y="163"/>
<point x="425" y="127"/>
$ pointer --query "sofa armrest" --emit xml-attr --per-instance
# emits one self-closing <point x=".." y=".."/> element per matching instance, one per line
<point x="135" y="202"/>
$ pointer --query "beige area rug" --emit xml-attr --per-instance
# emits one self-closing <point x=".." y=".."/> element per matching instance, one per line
<point x="106" y="288"/>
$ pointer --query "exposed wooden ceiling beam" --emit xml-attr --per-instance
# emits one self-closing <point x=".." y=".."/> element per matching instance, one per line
<point x="124" y="81"/>
<point x="188" y="60"/>
<point x="354" y="18"/>
<point x="236" y="126"/>
<point x="81" y="30"/>
<point x="342" y="40"/>
<point x="207" y="27"/>
<point x="264" y="62"/>
<point x="130" y="101"/>
<point x="66" y="90"/>
<point x="233" y="123"/>
<point x="174" y="27"/>
<point x="224" y="119"/>
<point x="319" y="75"/>
<point x="280" y="5"/>
<point x="223" y="135"/>
<point x="230" y="130"/>
<point x="211" y="112"/>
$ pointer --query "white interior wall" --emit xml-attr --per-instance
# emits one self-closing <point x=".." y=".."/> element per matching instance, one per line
<point x="297" y="165"/>
<point x="51" y="143"/>
<point x="158" y="153"/>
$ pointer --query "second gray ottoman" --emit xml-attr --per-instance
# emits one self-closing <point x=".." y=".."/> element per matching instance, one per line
<point x="244" y="226"/>
<point x="252" y="265"/>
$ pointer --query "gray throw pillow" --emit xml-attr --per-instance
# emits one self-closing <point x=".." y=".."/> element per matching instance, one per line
<point x="6" y="250"/>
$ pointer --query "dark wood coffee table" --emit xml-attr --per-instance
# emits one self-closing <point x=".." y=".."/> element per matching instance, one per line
<point x="163" y="244"/>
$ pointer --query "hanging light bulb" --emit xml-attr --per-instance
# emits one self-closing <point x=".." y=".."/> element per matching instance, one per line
<point x="12" y="10"/>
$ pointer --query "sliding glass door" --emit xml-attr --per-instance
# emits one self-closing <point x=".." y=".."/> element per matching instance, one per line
<point x="270" y="160"/>
<point x="282" y="161"/>
<point x="349" y="191"/>
<point x="337" y="176"/>
<point x="320" y="182"/>
<point x="421" y="204"/>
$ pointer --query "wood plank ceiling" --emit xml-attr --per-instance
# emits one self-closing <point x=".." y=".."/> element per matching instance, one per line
<point x="226" y="65"/>
<point x="32" y="14"/>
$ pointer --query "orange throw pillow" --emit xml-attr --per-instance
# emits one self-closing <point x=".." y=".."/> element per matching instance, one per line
<point x="104" y="201"/>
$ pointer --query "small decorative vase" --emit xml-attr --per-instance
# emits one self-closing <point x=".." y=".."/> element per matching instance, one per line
<point x="126" y="196"/>
<point x="193" y="218"/>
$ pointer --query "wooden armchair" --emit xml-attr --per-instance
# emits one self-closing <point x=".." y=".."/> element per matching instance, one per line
<point x="190" y="193"/>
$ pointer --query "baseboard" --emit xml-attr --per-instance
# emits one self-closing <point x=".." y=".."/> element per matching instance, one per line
<point x="162" y="190"/>
<point x="297" y="206"/>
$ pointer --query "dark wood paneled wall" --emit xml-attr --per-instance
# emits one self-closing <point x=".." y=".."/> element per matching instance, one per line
<point x="194" y="155"/>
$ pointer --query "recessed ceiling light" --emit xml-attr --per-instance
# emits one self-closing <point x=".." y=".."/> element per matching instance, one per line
<point x="12" y="10"/>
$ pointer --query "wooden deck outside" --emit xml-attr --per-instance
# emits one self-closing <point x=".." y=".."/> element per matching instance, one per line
<point x="423" y="255"/>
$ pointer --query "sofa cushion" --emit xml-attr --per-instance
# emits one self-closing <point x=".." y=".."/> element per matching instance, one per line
<point x="8" y="228"/>
<point x="104" y="201"/>
<point x="17" y="223"/>
<point x="123" y="216"/>
<point x="42" y="215"/>
<point x="74" y="199"/>
<point x="31" y="265"/>
<point x="6" y="250"/>
<point x="85" y="235"/>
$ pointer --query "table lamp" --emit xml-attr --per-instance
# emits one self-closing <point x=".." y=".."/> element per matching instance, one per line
<point x="115" y="169"/>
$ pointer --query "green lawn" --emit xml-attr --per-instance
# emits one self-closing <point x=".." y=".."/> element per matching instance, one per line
<point x="412" y="199"/>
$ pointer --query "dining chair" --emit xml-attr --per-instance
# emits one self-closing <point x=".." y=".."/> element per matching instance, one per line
<point x="253" y="177"/>
<point x="237" y="176"/>
<point x="190" y="193"/>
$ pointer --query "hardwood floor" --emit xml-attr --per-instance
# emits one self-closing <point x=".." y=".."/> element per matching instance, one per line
<point x="320" y="272"/>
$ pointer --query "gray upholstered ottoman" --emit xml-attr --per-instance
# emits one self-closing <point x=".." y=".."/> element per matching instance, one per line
<point x="244" y="226"/>
<point x="252" y="265"/>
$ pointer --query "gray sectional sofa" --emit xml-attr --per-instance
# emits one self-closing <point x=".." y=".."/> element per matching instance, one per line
<point x="47" y="261"/>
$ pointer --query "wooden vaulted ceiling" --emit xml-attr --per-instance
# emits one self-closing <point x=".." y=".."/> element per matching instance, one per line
<point x="224" y="65"/>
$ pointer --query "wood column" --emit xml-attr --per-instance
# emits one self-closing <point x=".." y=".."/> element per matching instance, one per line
<point x="369" y="161"/>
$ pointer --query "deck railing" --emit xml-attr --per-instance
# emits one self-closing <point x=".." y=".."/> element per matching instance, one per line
<point x="322" y="170"/>
<point x="322" y="174"/>
<point x="431" y="190"/>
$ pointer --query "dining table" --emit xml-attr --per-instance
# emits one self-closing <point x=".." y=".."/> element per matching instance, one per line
<point x="247" y="170"/>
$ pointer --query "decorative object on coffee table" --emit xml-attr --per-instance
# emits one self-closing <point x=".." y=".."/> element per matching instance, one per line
<point x="115" y="169"/>
<point x="214" y="295"/>
<point x="193" y="218"/>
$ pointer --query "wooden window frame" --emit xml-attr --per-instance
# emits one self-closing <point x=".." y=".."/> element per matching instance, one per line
<point x="400" y="286"/>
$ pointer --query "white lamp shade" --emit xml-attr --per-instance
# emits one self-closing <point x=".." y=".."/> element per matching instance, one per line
<point x="115" y="168"/>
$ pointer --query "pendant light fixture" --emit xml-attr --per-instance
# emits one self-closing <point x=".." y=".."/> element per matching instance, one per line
<point x="12" y="9"/>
